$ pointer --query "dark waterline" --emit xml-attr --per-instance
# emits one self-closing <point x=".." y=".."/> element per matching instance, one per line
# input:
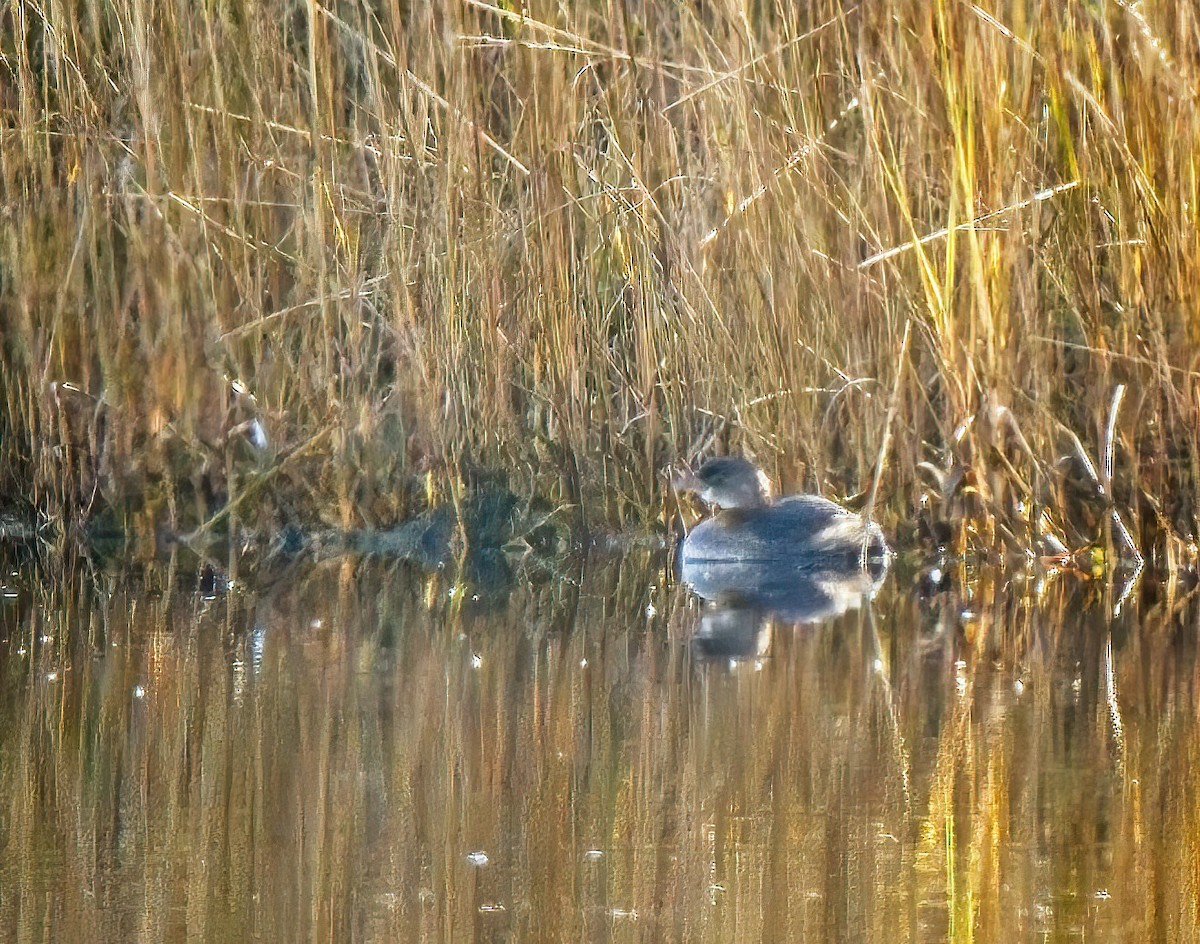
<point x="364" y="752"/>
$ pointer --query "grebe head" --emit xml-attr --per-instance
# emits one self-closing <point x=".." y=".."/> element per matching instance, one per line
<point x="728" y="481"/>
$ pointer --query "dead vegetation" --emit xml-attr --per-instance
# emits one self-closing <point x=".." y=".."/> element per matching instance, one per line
<point x="580" y="241"/>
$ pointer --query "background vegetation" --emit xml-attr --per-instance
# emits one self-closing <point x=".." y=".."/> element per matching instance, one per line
<point x="912" y="243"/>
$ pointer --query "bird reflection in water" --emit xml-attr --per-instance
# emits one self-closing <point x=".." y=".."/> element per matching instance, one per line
<point x="743" y="600"/>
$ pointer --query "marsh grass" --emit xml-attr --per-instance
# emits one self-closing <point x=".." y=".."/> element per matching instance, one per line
<point x="577" y="242"/>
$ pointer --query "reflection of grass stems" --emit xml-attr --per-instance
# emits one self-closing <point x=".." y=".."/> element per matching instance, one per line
<point x="951" y="883"/>
<point x="338" y="733"/>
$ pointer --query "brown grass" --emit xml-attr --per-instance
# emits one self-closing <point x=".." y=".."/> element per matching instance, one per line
<point x="579" y="241"/>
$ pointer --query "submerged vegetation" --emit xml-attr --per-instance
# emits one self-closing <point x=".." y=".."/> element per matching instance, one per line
<point x="267" y="258"/>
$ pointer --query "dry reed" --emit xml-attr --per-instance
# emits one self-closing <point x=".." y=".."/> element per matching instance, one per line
<point x="580" y="241"/>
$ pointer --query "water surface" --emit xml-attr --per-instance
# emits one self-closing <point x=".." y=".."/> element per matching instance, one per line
<point x="363" y="752"/>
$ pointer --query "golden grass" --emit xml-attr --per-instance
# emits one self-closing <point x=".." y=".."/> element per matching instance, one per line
<point x="579" y="241"/>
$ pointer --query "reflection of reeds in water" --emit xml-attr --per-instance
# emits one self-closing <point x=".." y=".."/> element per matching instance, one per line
<point x="580" y="245"/>
<point x="321" y="763"/>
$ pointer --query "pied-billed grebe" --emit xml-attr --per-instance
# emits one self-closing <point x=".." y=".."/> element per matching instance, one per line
<point x="800" y="530"/>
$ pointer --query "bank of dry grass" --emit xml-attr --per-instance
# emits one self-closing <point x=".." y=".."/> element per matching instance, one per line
<point x="580" y="241"/>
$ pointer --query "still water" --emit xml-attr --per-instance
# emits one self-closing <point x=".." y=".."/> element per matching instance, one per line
<point x="359" y="751"/>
